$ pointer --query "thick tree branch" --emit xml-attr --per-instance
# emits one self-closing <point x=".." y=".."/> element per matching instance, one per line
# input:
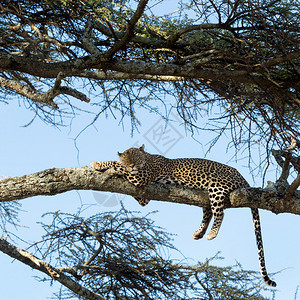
<point x="56" y="181"/>
<point x="99" y="75"/>
<point x="279" y="60"/>
<point x="74" y="66"/>
<point x="42" y="266"/>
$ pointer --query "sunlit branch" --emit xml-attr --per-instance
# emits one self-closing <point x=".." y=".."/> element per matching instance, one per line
<point x="42" y="266"/>
<point x="44" y="98"/>
<point x="56" y="181"/>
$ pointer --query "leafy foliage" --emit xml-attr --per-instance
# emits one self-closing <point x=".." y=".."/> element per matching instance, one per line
<point x="123" y="256"/>
<point x="241" y="57"/>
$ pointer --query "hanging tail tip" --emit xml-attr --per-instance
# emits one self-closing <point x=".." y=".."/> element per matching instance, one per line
<point x="270" y="282"/>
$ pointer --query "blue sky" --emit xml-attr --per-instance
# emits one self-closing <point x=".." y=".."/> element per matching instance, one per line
<point x="25" y="150"/>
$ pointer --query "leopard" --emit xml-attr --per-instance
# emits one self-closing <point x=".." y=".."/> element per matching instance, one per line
<point x="141" y="168"/>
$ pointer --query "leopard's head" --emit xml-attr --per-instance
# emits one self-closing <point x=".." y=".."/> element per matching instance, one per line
<point x="133" y="159"/>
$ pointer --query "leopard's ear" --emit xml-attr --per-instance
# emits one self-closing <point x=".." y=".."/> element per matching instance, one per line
<point x="142" y="147"/>
<point x="120" y="154"/>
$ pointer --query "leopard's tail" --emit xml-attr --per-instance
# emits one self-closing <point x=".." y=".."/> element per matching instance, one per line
<point x="260" y="248"/>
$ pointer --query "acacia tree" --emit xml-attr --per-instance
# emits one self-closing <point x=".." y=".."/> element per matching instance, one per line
<point x="119" y="255"/>
<point x="241" y="56"/>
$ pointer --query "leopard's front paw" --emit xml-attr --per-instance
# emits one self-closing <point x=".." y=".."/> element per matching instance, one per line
<point x="132" y="169"/>
<point x="99" y="166"/>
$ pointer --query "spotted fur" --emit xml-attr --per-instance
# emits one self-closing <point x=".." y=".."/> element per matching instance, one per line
<point x="140" y="168"/>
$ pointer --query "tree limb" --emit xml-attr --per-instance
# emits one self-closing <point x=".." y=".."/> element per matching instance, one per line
<point x="278" y="60"/>
<point x="12" y="62"/>
<point x="99" y="75"/>
<point x="129" y="30"/>
<point x="292" y="188"/>
<point x="44" y="98"/>
<point x="56" y="181"/>
<point x="26" y="91"/>
<point x="40" y="265"/>
<point x="175" y="36"/>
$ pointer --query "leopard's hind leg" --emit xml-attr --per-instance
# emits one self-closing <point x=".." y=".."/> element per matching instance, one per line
<point x="207" y="215"/>
<point x="217" y="207"/>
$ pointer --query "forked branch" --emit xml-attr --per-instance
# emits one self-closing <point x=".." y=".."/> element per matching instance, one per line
<point x="290" y="190"/>
<point x="43" y="98"/>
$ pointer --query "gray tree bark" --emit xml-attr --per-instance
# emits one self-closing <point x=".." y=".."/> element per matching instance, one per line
<point x="56" y="274"/>
<point x="56" y="181"/>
